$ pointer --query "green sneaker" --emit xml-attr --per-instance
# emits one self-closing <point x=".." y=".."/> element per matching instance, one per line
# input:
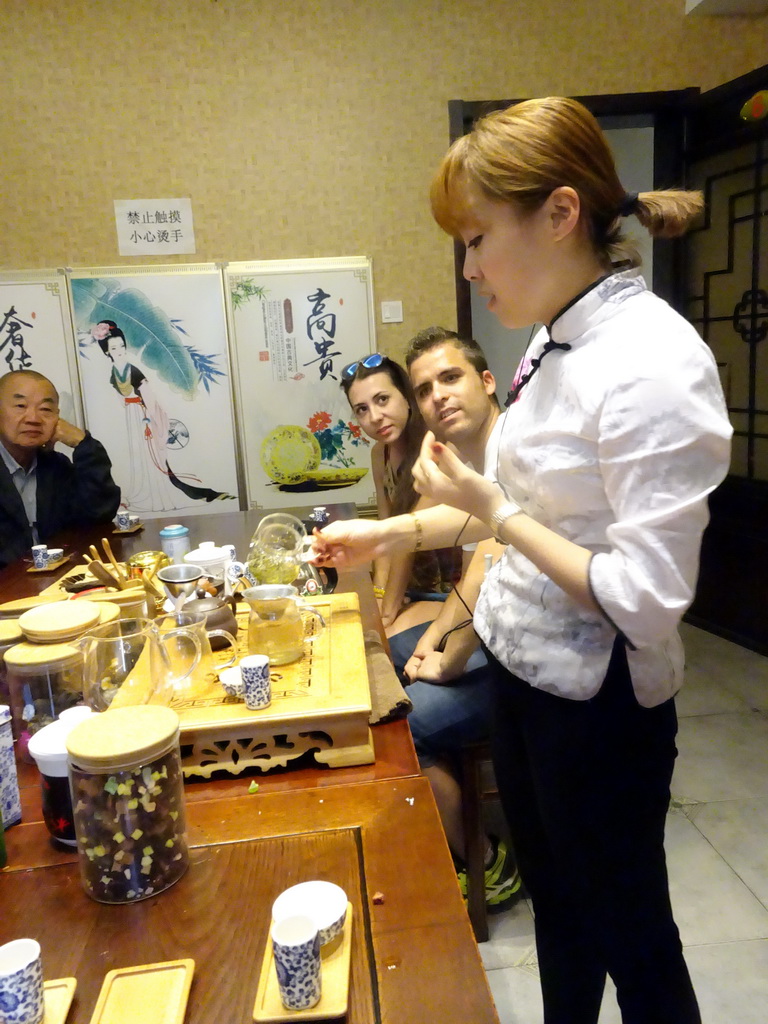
<point x="502" y="879"/>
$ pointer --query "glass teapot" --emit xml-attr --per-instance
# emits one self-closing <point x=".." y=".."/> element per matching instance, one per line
<point x="277" y="556"/>
<point x="276" y="550"/>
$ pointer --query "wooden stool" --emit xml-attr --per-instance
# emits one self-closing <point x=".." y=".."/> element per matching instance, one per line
<point x="475" y="763"/>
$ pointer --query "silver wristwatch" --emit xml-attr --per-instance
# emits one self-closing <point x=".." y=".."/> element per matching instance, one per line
<point x="501" y="515"/>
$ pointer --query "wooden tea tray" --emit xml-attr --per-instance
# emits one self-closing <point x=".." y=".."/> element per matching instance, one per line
<point x="320" y="704"/>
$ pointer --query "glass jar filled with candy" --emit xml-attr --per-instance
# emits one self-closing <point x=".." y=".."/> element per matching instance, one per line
<point x="128" y="802"/>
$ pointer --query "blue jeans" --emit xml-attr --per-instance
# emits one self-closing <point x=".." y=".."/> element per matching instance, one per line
<point x="444" y="718"/>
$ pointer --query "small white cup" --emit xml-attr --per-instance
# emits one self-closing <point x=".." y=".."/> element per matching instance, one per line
<point x="134" y="520"/>
<point x="22" y="995"/>
<point x="123" y="520"/>
<point x="231" y="680"/>
<point x="296" y="949"/>
<point x="40" y="555"/>
<point x="257" y="690"/>
<point x="55" y="554"/>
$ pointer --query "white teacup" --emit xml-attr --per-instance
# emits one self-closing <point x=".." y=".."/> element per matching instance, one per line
<point x="40" y="555"/>
<point x="231" y="680"/>
<point x="22" y="995"/>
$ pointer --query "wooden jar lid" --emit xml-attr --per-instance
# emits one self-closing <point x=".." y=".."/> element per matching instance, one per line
<point x="63" y="620"/>
<point x="108" y="612"/>
<point x="123" y="737"/>
<point x="30" y="659"/>
<point x="10" y="631"/>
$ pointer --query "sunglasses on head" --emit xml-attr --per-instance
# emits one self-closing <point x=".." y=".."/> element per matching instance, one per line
<point x="375" y="359"/>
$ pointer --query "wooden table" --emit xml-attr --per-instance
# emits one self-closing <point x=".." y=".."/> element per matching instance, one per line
<point x="414" y="960"/>
<point x="373" y="829"/>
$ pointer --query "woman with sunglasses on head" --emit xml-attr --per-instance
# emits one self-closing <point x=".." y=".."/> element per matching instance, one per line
<point x="381" y="397"/>
<point x="597" y="486"/>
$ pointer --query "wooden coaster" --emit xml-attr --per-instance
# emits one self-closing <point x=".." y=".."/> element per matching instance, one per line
<point x="159" y="993"/>
<point x="58" y="998"/>
<point x="52" y="565"/>
<point x="335" y="961"/>
<point x="131" y="529"/>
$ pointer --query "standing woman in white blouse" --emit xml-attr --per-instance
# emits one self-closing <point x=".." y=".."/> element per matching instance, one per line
<point x="597" y="486"/>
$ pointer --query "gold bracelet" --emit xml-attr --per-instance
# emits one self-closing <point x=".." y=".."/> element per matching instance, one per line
<point x="419" y="531"/>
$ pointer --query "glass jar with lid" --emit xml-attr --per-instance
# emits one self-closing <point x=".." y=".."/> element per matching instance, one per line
<point x="43" y="680"/>
<point x="128" y="802"/>
<point x="10" y="635"/>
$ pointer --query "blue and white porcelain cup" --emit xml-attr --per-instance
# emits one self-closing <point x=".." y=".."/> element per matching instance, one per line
<point x="22" y="994"/>
<point x="40" y="555"/>
<point x="257" y="690"/>
<point x="123" y="520"/>
<point x="296" y="950"/>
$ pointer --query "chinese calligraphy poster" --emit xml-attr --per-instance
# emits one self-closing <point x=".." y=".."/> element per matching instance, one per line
<point x="35" y="333"/>
<point x="297" y="323"/>
<point x="153" y="358"/>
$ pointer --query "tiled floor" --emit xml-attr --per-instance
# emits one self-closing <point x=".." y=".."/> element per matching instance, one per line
<point x="717" y="849"/>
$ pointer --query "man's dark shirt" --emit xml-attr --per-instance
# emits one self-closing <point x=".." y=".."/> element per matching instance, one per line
<point x="80" y="492"/>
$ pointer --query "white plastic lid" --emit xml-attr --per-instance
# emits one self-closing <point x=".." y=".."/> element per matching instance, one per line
<point x="74" y="715"/>
<point x="175" y="530"/>
<point x="48" y="745"/>
<point x="49" y="749"/>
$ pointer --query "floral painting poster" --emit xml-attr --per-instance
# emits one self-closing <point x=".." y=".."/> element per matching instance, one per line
<point x="35" y="334"/>
<point x="297" y="324"/>
<point x="153" y="359"/>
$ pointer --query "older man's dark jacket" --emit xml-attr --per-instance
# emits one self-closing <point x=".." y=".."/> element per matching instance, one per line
<point x="80" y="492"/>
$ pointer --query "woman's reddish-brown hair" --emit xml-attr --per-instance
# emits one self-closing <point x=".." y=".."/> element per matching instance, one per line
<point x="519" y="155"/>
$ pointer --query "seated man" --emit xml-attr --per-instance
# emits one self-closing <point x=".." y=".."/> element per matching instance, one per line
<point x="41" y="491"/>
<point x="449" y="683"/>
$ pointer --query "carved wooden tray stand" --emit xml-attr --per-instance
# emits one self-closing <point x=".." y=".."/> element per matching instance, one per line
<point x="320" y="704"/>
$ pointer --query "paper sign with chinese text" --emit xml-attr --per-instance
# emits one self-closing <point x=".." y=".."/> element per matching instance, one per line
<point x="154" y="227"/>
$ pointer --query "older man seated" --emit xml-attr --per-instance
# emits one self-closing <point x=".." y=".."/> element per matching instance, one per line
<point x="41" y="491"/>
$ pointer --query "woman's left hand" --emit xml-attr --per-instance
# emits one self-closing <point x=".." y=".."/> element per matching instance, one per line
<point x="440" y="475"/>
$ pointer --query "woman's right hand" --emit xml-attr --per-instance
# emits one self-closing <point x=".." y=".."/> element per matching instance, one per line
<point x="348" y="542"/>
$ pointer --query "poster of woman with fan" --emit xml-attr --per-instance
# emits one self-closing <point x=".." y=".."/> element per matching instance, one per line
<point x="156" y="387"/>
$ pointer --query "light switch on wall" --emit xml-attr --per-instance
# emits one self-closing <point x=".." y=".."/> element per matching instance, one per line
<point x="391" y="312"/>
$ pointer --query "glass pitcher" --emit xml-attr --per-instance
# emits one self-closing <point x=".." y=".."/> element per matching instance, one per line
<point x="128" y="662"/>
<point x="277" y="624"/>
<point x="174" y="629"/>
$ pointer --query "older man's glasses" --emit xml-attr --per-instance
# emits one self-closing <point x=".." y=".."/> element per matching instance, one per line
<point x="370" y="362"/>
